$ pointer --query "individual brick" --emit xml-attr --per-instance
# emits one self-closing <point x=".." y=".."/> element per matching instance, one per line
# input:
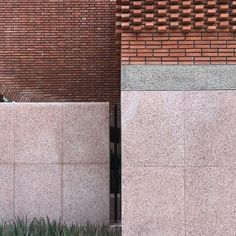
<point x="137" y="12"/>
<point x="174" y="24"/>
<point x="224" y="16"/>
<point x="137" y="4"/>
<point x="211" y="28"/>
<point x="199" y="24"/>
<point x="187" y="28"/>
<point x="161" y="28"/>
<point x="233" y="28"/>
<point x="137" y="21"/>
<point x="149" y="25"/>
<point x="199" y="16"/>
<point x="149" y="8"/>
<point x="125" y="17"/>
<point x="137" y="28"/>
<point x="161" y="4"/>
<point x="174" y="8"/>
<point x="223" y="24"/>
<point x="199" y="8"/>
<point x="233" y="4"/>
<point x="161" y="12"/>
<point x="125" y="25"/>
<point x="125" y="8"/>
<point x="211" y="11"/>
<point x="186" y="4"/>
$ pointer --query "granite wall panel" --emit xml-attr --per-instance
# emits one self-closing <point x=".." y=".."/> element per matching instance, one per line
<point x="179" y="173"/>
<point x="47" y="166"/>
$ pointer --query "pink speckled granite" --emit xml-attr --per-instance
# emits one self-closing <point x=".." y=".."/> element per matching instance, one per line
<point x="164" y="130"/>
<point x="153" y="128"/>
<point x="38" y="190"/>
<point x="6" y="192"/>
<point x="31" y="139"/>
<point x="210" y="128"/>
<point x="6" y="122"/>
<point x="210" y="201"/>
<point x="86" y="193"/>
<point x="86" y="133"/>
<point x="6" y="152"/>
<point x="38" y="133"/>
<point x="153" y="201"/>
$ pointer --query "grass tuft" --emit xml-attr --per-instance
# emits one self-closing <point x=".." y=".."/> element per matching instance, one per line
<point x="45" y="227"/>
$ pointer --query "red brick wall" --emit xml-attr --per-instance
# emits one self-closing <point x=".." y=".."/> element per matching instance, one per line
<point x="177" y="32"/>
<point x="55" y="50"/>
<point x="179" y="48"/>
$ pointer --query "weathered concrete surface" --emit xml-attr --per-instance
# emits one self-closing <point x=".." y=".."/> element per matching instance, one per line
<point x="54" y="161"/>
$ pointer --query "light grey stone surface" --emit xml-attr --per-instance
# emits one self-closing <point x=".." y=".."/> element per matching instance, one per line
<point x="210" y="130"/>
<point x="178" y="77"/>
<point x="153" y="125"/>
<point x="210" y="201"/>
<point x="6" y="192"/>
<point x="38" y="133"/>
<point x="153" y="201"/>
<point x="86" y="193"/>
<point x="38" y="190"/>
<point x="86" y="133"/>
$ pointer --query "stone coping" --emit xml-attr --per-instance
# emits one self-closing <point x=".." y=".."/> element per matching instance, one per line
<point x="178" y="77"/>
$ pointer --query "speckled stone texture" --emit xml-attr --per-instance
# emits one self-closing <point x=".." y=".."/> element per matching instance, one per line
<point x="153" y="127"/>
<point x="153" y="201"/>
<point x="179" y="168"/>
<point x="82" y="198"/>
<point x="80" y="142"/>
<point x="54" y="161"/>
<point x="38" y="133"/>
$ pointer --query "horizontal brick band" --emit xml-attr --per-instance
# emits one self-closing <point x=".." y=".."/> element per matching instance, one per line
<point x="172" y="77"/>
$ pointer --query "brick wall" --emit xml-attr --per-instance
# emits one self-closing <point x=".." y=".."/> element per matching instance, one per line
<point x="179" y="48"/>
<point x="55" y="50"/>
<point x="177" y="32"/>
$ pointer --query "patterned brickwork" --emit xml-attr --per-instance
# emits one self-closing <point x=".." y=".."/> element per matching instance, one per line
<point x="53" y="50"/>
<point x="185" y="15"/>
<point x="177" y="32"/>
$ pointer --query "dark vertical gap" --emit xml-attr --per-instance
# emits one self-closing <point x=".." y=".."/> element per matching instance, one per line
<point x="115" y="157"/>
<point x="1" y="98"/>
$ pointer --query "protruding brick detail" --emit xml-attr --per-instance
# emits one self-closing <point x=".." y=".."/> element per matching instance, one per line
<point x="180" y="32"/>
<point x="184" y="15"/>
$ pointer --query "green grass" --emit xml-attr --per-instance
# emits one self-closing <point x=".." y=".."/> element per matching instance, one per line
<point x="45" y="227"/>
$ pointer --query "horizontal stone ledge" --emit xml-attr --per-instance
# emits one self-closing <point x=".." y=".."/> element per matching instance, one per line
<point x="178" y="77"/>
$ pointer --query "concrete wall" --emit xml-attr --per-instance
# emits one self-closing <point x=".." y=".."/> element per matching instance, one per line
<point x="179" y="159"/>
<point x="54" y="161"/>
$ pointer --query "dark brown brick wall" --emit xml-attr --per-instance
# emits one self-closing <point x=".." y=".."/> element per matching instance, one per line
<point x="55" y="50"/>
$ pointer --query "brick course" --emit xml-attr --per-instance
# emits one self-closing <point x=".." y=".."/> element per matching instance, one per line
<point x="178" y="48"/>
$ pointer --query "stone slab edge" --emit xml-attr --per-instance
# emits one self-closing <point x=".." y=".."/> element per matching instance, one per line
<point x="177" y="77"/>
